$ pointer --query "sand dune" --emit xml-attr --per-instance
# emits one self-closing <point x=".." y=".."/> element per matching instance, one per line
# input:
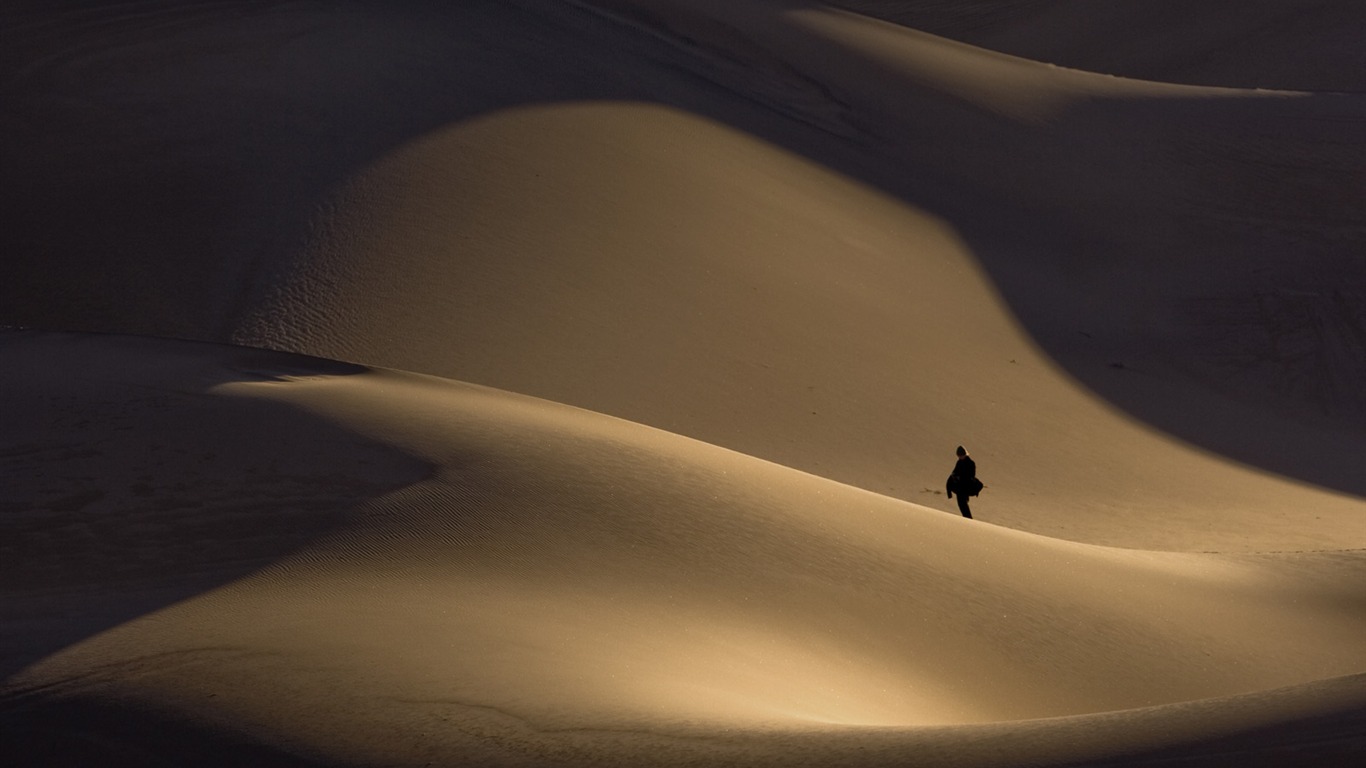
<point x="1187" y="253"/>
<point x="662" y="320"/>
<point x="786" y="313"/>
<point x="1299" y="46"/>
<point x="575" y="572"/>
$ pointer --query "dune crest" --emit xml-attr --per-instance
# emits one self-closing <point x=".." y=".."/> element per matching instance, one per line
<point x="1268" y="44"/>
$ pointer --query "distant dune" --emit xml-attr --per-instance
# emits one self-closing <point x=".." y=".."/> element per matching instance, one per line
<point x="1267" y="44"/>
<point x="574" y="383"/>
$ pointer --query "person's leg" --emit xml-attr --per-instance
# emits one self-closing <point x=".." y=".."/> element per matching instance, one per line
<point x="963" y="506"/>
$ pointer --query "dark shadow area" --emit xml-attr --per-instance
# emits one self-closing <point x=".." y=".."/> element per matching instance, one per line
<point x="78" y="732"/>
<point x="165" y="170"/>
<point x="126" y="487"/>
<point x="1332" y="740"/>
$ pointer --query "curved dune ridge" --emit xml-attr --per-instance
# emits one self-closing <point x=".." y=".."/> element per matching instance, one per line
<point x="663" y="318"/>
<point x="782" y="311"/>
<point x="555" y="571"/>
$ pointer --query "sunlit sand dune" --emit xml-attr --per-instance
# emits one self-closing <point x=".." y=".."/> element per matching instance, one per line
<point x="758" y="302"/>
<point x="639" y="336"/>
<point x="555" y="570"/>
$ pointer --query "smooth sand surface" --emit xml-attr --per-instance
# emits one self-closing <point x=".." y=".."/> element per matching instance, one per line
<point x="662" y="320"/>
<point x="502" y="571"/>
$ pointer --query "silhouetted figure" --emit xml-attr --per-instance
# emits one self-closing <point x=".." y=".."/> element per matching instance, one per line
<point x="963" y="481"/>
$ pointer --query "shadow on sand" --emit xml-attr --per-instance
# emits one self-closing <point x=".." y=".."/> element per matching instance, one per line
<point x="127" y="486"/>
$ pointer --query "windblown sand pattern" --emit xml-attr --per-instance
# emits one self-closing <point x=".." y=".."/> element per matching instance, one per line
<point x="660" y="322"/>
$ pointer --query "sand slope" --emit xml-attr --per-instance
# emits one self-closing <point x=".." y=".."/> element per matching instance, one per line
<point x="578" y="573"/>
<point x="784" y="312"/>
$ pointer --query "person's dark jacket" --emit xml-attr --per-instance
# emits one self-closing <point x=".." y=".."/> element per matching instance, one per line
<point x="963" y="471"/>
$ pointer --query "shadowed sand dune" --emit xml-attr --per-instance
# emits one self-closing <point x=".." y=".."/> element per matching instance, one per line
<point x="563" y="572"/>
<point x="727" y="281"/>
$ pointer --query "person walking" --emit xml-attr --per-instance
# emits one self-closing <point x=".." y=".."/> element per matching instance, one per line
<point x="963" y="481"/>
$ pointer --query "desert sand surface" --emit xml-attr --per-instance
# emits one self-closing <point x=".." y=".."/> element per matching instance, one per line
<point x="574" y="383"/>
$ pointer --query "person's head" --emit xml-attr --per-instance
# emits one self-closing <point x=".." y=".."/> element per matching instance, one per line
<point x="961" y="451"/>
